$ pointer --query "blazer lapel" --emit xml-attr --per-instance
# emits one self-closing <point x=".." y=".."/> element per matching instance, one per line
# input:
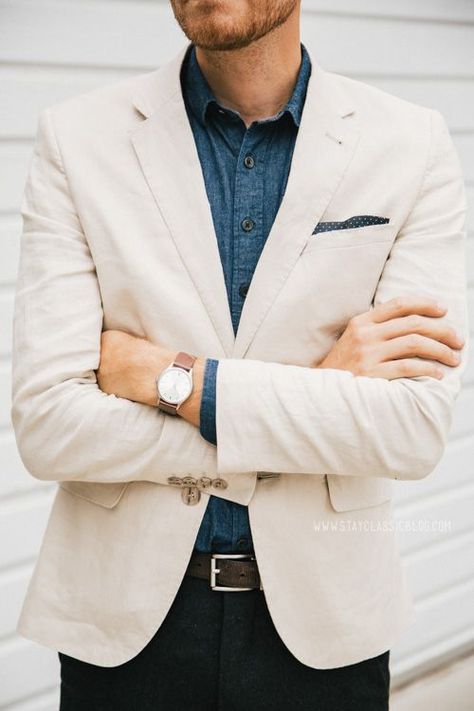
<point x="165" y="147"/>
<point x="325" y="143"/>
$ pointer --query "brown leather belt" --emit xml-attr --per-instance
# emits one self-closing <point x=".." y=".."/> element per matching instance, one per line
<point x="232" y="572"/>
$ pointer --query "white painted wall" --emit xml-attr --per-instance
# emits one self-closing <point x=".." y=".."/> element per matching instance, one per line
<point x="52" y="49"/>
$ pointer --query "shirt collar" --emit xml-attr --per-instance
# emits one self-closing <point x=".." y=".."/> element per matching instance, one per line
<point x="199" y="95"/>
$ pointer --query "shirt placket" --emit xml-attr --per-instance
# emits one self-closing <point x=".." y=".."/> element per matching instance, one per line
<point x="247" y="216"/>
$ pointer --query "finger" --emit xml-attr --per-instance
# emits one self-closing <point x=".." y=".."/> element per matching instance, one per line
<point x="408" y="368"/>
<point x="424" y="326"/>
<point x="420" y="346"/>
<point x="406" y="305"/>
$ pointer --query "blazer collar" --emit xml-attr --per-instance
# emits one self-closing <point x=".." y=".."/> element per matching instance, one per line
<point x="159" y="86"/>
<point x="165" y="148"/>
<point x="163" y="83"/>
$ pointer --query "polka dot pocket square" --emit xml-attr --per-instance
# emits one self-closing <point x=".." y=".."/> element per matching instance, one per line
<point x="350" y="223"/>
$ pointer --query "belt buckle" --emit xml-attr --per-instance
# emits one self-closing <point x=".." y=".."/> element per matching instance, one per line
<point x="215" y="570"/>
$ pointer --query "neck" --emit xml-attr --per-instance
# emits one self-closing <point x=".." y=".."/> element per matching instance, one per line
<point x="257" y="80"/>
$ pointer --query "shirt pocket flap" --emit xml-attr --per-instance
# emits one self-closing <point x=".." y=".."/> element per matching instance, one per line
<point x="102" y="494"/>
<point x="348" y="493"/>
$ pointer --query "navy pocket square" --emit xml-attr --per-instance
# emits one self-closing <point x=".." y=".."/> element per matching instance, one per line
<point x="356" y="221"/>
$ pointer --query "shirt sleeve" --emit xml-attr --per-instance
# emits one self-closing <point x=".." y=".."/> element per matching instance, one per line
<point x="207" y="425"/>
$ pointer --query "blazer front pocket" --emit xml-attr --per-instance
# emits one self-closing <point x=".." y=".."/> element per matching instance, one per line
<point x="349" y="493"/>
<point x="107" y="495"/>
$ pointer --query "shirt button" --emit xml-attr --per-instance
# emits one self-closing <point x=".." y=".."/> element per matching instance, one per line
<point x="249" y="161"/>
<point x="243" y="289"/>
<point x="242" y="543"/>
<point x="247" y="224"/>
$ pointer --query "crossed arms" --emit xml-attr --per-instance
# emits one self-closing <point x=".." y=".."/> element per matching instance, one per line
<point x="270" y="416"/>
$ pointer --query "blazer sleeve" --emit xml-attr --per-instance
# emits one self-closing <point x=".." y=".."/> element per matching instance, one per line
<point x="66" y="428"/>
<point x="286" y="418"/>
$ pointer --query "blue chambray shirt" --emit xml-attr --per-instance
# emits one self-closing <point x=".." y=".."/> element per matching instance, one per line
<point x="245" y="173"/>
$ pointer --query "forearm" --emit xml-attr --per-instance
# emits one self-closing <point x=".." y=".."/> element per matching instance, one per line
<point x="73" y="430"/>
<point x="65" y="426"/>
<point x="284" y="418"/>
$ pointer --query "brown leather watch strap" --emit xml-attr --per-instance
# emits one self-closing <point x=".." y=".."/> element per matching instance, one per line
<point x="167" y="407"/>
<point x="233" y="573"/>
<point x="184" y="360"/>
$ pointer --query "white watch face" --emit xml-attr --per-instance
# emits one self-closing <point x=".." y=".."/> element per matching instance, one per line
<point x="175" y="385"/>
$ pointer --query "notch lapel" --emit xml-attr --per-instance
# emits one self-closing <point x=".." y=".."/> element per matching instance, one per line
<point x="165" y="147"/>
<point x="325" y="143"/>
<point x="166" y="150"/>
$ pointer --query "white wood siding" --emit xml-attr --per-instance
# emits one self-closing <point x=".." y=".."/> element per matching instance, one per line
<point x="52" y="49"/>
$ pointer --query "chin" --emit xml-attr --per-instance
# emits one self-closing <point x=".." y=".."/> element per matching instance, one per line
<point x="220" y="40"/>
<point x="217" y="24"/>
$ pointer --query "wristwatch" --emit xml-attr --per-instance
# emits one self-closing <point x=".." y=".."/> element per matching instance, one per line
<point x="175" y="383"/>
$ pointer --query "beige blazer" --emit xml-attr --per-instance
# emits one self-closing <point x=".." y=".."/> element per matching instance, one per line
<point x="118" y="234"/>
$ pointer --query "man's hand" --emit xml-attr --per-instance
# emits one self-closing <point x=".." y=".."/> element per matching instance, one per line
<point x="389" y="340"/>
<point x="129" y="366"/>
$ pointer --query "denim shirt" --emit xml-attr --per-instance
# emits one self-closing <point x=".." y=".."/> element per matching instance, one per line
<point x="245" y="173"/>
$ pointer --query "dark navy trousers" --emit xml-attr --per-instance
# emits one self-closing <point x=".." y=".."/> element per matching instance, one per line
<point x="219" y="651"/>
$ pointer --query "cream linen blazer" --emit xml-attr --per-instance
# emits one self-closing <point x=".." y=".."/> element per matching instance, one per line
<point x="118" y="234"/>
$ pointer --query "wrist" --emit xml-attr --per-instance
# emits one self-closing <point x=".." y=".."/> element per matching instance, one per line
<point x="159" y="359"/>
<point x="189" y="410"/>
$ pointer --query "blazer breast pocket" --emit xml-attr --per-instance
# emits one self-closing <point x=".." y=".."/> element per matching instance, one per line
<point x="355" y="222"/>
<point x="360" y="236"/>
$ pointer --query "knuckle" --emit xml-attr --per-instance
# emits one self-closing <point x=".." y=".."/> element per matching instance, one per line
<point x="413" y="342"/>
<point x="415" y="322"/>
<point x="405" y="367"/>
<point x="398" y="302"/>
<point x="399" y="367"/>
<point x="355" y="320"/>
<point x="448" y="353"/>
<point x="353" y="325"/>
<point x="425" y="368"/>
<point x="358" y="336"/>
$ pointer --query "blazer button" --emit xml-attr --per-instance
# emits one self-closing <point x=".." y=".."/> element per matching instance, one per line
<point x="175" y="481"/>
<point x="219" y="483"/>
<point x="190" y="495"/>
<point x="189" y="481"/>
<point x="204" y="482"/>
